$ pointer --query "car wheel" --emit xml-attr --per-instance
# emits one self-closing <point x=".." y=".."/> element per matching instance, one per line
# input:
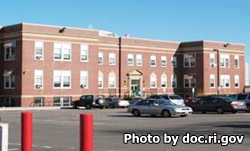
<point x="219" y="110"/>
<point x="74" y="106"/>
<point x="183" y="115"/>
<point x="153" y="115"/>
<point x="136" y="113"/>
<point x="111" y="106"/>
<point x="204" y="112"/>
<point x="88" y="106"/>
<point x="166" y="113"/>
<point x="234" y="112"/>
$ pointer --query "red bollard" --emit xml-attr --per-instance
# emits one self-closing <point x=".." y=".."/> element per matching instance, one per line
<point x="26" y="131"/>
<point x="86" y="132"/>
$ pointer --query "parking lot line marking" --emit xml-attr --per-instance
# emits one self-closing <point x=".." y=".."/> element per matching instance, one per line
<point x="46" y="146"/>
<point x="12" y="149"/>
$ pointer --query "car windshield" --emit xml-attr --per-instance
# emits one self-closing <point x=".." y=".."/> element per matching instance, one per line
<point x="164" y="102"/>
<point x="175" y="97"/>
<point x="228" y="99"/>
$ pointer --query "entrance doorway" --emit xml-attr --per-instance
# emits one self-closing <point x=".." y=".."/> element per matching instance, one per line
<point x="135" y="87"/>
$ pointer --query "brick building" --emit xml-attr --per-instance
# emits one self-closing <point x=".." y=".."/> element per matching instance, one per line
<point x="45" y="65"/>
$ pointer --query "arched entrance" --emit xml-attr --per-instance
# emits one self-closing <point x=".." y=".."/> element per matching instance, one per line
<point x="135" y="83"/>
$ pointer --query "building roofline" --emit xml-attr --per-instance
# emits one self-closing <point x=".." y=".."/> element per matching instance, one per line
<point x="155" y="40"/>
<point x="222" y="42"/>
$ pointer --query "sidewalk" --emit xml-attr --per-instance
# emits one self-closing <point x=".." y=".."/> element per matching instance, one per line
<point x="32" y="108"/>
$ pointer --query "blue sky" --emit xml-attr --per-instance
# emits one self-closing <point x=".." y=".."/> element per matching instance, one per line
<point x="170" y="20"/>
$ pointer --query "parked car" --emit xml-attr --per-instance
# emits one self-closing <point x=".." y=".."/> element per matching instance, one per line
<point x="244" y="97"/>
<point x="218" y="104"/>
<point x="191" y="100"/>
<point x="114" y="102"/>
<point x="176" y="99"/>
<point x="132" y="100"/>
<point x="89" y="101"/>
<point x="160" y="107"/>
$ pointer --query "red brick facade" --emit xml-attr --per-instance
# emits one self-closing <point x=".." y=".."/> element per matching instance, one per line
<point x="127" y="77"/>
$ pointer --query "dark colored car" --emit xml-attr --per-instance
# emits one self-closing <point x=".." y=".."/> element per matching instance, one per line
<point x="218" y="104"/>
<point x="89" y="101"/>
<point x="132" y="100"/>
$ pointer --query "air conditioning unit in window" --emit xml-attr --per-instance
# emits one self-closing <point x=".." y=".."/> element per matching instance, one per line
<point x="38" y="86"/>
<point x="38" y="57"/>
<point x="213" y="65"/>
<point x="82" y="86"/>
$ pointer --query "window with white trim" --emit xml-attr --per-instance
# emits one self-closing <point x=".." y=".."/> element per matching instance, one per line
<point x="100" y="58"/>
<point x="189" y="60"/>
<point x="9" y="51"/>
<point x="62" y="79"/>
<point x="138" y="60"/>
<point x="163" y="81"/>
<point x="153" y="80"/>
<point x="39" y="50"/>
<point x="84" y="79"/>
<point x="174" y="62"/>
<point x="84" y="53"/>
<point x="38" y="101"/>
<point x="9" y="81"/>
<point x="236" y="81"/>
<point x="224" y="61"/>
<point x="112" y="80"/>
<point x="212" y="60"/>
<point x="174" y="81"/>
<point x="163" y="61"/>
<point x="130" y="60"/>
<point x="62" y="52"/>
<point x="212" y="81"/>
<point x="153" y="61"/>
<point x="112" y="59"/>
<point x="236" y="61"/>
<point x="225" y="81"/>
<point x="38" y="81"/>
<point x="100" y="80"/>
<point x="189" y="81"/>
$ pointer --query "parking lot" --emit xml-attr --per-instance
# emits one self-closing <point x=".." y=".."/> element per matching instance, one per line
<point x="58" y="130"/>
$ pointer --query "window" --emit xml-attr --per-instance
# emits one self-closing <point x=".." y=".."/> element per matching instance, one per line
<point x="189" y="81"/>
<point x="130" y="59"/>
<point x="8" y="101"/>
<point x="138" y="60"/>
<point x="39" y="50"/>
<point x="236" y="61"/>
<point x="163" y="81"/>
<point x="212" y="60"/>
<point x="112" y="59"/>
<point x="236" y="81"/>
<point x="174" y="62"/>
<point x="153" y="83"/>
<point x="84" y="53"/>
<point x="153" y="61"/>
<point x="100" y="57"/>
<point x="38" y="81"/>
<point x="163" y="61"/>
<point x="212" y="81"/>
<point x="189" y="60"/>
<point x="225" y="81"/>
<point x="62" y="51"/>
<point x="224" y="61"/>
<point x="100" y="79"/>
<point x="38" y="101"/>
<point x="112" y="80"/>
<point x="62" y="79"/>
<point x="9" y="81"/>
<point x="84" y="79"/>
<point x="9" y="51"/>
<point x="174" y="81"/>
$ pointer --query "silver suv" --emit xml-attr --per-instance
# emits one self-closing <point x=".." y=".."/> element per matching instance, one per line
<point x="244" y="97"/>
<point x="176" y="99"/>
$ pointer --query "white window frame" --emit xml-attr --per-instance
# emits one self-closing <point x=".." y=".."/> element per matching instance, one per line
<point x="112" y="82"/>
<point x="224" y="60"/>
<point x="237" y="81"/>
<point x="11" y="53"/>
<point x="8" y="79"/>
<point x="212" y="60"/>
<point x="188" y="80"/>
<point x="100" y="82"/>
<point x="39" y="45"/>
<point x="174" y="62"/>
<point x="84" y="82"/>
<point x="173" y="81"/>
<point x="163" y="81"/>
<point x="62" y="74"/>
<point x="212" y="81"/>
<point x="64" y="49"/>
<point x="38" y="75"/>
<point x="163" y="61"/>
<point x="189" y="60"/>
<point x="130" y="59"/>
<point x="153" y="61"/>
<point x="100" y="58"/>
<point x="138" y="60"/>
<point x="236" y="61"/>
<point x="112" y="59"/>
<point x="84" y="53"/>
<point x="225" y="81"/>
<point x="153" y="82"/>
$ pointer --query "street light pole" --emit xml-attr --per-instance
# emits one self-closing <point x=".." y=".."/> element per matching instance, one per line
<point x="218" y="70"/>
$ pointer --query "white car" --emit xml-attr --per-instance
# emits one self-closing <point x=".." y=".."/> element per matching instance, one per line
<point x="114" y="102"/>
<point x="176" y="99"/>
